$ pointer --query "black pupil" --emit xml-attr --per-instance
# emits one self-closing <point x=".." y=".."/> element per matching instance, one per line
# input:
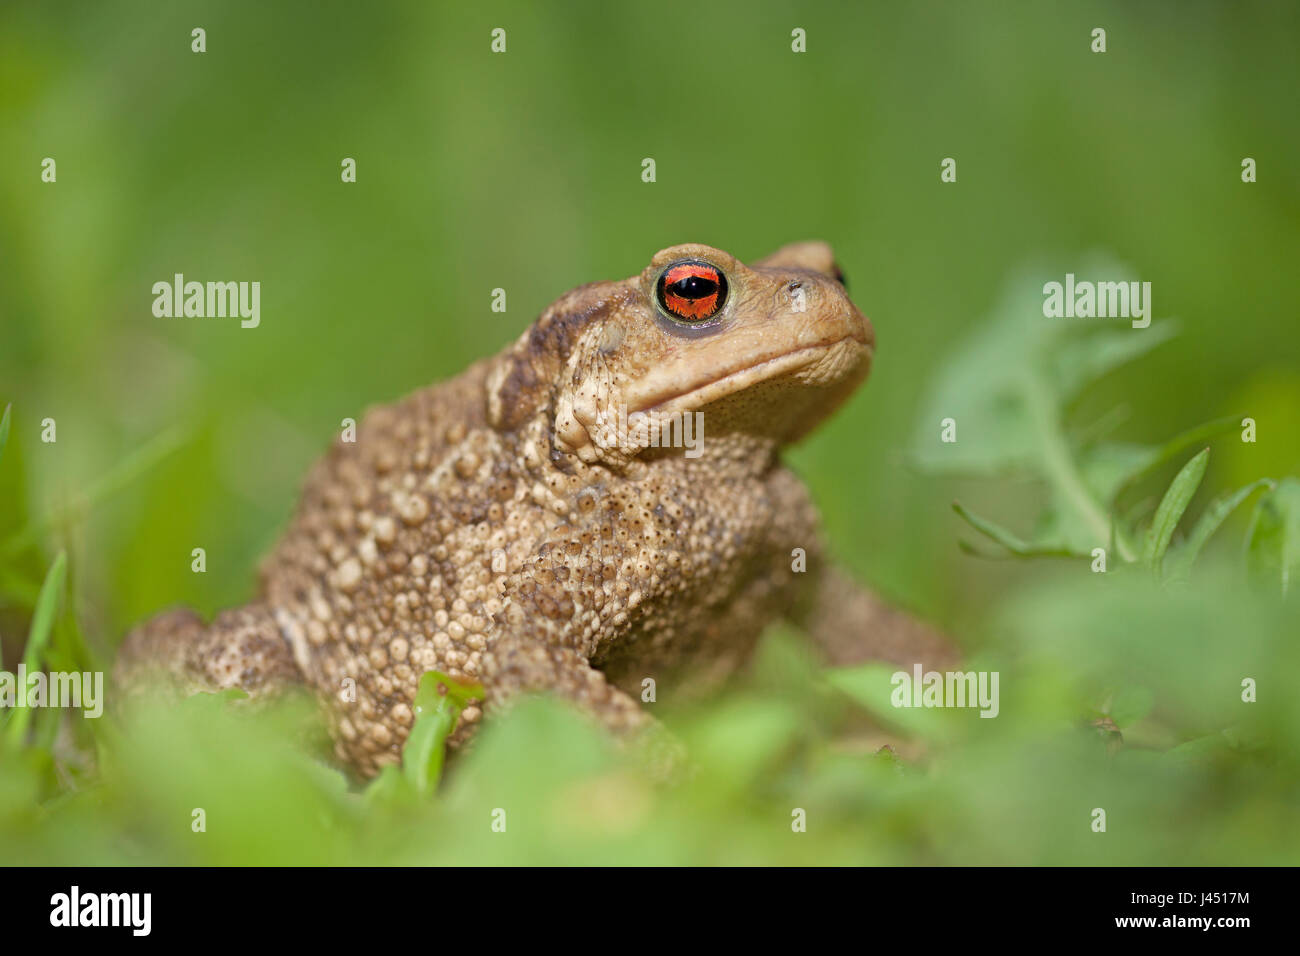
<point x="694" y="287"/>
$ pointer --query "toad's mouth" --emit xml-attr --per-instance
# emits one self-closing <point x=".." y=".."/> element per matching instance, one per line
<point x="814" y="365"/>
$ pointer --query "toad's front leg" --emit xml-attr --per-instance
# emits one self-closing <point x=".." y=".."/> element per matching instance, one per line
<point x="851" y="625"/>
<point x="848" y="623"/>
<point x="516" y="663"/>
<point x="558" y="612"/>
<point x="584" y="589"/>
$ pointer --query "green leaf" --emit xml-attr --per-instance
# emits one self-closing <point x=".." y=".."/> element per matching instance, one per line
<point x="1131" y="704"/>
<point x="1201" y="750"/>
<point x="390" y="788"/>
<point x="1007" y="389"/>
<point x="979" y="385"/>
<point x="436" y="714"/>
<point x="1171" y="509"/>
<point x="1144" y="465"/>
<point x="1179" y="565"/>
<point x="1016" y="545"/>
<point x="987" y="528"/>
<point x="1107" y="466"/>
<point x="1086" y="436"/>
<point x="994" y="384"/>
<point x="37" y="636"/>
<point x="1084" y="359"/>
<point x="1273" y="541"/>
<point x="874" y="688"/>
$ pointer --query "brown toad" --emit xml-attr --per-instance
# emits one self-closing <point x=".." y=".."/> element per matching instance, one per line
<point x="600" y="503"/>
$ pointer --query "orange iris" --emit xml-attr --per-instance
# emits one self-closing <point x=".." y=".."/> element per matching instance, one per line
<point x="692" y="300"/>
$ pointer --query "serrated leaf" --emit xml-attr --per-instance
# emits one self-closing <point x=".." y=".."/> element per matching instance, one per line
<point x="1074" y="524"/>
<point x="1012" y="363"/>
<point x="1014" y="544"/>
<point x="1171" y="509"/>
<point x="1107" y="466"/>
<point x="981" y="385"/>
<point x="1087" y="436"/>
<point x="1166" y="452"/>
<point x="1273" y="542"/>
<point x="991" y="530"/>
<point x="1085" y="358"/>
<point x="1179" y="565"/>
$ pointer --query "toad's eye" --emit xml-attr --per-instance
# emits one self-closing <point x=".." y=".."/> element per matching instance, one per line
<point x="692" y="291"/>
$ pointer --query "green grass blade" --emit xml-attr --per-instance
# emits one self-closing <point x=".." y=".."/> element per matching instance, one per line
<point x="4" y="428"/>
<point x="1180" y="563"/>
<point x="37" y="637"/>
<point x="46" y="605"/>
<point x="141" y="460"/>
<point x="1171" y="509"/>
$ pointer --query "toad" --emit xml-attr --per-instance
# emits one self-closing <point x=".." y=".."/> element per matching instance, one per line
<point x="601" y="503"/>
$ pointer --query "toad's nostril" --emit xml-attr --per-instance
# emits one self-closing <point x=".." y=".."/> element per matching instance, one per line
<point x="792" y="297"/>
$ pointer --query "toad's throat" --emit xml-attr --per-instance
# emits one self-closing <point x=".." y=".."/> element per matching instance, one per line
<point x="818" y="364"/>
<point x="592" y="430"/>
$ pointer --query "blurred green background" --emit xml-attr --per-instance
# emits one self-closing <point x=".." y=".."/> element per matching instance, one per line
<point x="522" y="171"/>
